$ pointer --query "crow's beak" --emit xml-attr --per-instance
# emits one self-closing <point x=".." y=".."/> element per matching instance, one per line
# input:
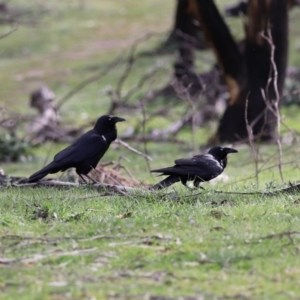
<point x="117" y="119"/>
<point x="230" y="150"/>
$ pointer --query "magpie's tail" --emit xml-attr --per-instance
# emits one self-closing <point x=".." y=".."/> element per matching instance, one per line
<point x="166" y="182"/>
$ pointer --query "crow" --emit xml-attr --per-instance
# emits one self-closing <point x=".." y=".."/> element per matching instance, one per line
<point x="85" y="153"/>
<point x="200" y="168"/>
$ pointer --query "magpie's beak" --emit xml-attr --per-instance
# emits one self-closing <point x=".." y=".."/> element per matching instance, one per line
<point x="117" y="119"/>
<point x="230" y="150"/>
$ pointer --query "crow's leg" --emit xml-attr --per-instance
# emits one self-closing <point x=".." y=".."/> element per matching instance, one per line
<point x="82" y="178"/>
<point x="90" y="178"/>
<point x="184" y="182"/>
<point x="197" y="183"/>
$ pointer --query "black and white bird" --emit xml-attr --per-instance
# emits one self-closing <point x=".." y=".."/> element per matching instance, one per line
<point x="199" y="168"/>
<point x="85" y="153"/>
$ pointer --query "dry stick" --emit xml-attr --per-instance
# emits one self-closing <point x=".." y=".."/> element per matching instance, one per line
<point x="119" y="165"/>
<point x="156" y="135"/>
<point x="144" y="132"/>
<point x="131" y="59"/>
<point x="260" y="170"/>
<point x="109" y="176"/>
<point x="130" y="62"/>
<point x="124" y="76"/>
<point x="175" y="127"/>
<point x="251" y="140"/>
<point x="194" y="109"/>
<point x="278" y="142"/>
<point x="14" y="28"/>
<point x="155" y="138"/>
<point x="90" y="80"/>
<point x="120" y="142"/>
<point x="172" y="129"/>
<point x="107" y="187"/>
<point x="141" y="82"/>
<point x="184" y="95"/>
<point x="276" y="111"/>
<point x="144" y="121"/>
<point x="291" y="188"/>
<point x="280" y="235"/>
<point x="195" y="147"/>
<point x="111" y="190"/>
<point x="276" y="165"/>
<point x="160" y="112"/>
<point x="56" y="239"/>
<point x="37" y="257"/>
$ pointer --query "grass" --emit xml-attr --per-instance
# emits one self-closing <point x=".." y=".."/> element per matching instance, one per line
<point x="210" y="245"/>
<point x="76" y="244"/>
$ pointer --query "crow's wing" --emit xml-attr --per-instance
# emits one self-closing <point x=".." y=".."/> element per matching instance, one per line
<point x="202" y="166"/>
<point x="87" y="146"/>
<point x="199" y="160"/>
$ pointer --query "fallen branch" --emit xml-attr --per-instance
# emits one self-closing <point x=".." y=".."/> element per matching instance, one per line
<point x="124" y="144"/>
<point x="90" y="80"/>
<point x="108" y="189"/>
<point x="290" y="189"/>
<point x="280" y="235"/>
<point x="37" y="257"/>
<point x="153" y="138"/>
<point x="13" y="29"/>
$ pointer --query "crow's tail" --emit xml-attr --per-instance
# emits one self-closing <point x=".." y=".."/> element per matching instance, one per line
<point x="166" y="182"/>
<point x="51" y="168"/>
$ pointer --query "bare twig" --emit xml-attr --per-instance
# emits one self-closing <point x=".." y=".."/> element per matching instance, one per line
<point x="281" y="235"/>
<point x="38" y="257"/>
<point x="172" y="129"/>
<point x="117" y="93"/>
<point x="144" y="131"/>
<point x="109" y="189"/>
<point x="13" y="29"/>
<point x="124" y="144"/>
<point x="276" y="101"/>
<point x="141" y="82"/>
<point x="109" y="67"/>
<point x="251" y="140"/>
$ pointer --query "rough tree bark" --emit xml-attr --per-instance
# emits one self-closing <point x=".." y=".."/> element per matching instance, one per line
<point x="248" y="70"/>
<point x="185" y="23"/>
<point x="189" y="36"/>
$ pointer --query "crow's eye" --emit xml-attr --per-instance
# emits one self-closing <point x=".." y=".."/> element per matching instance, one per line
<point x="109" y="119"/>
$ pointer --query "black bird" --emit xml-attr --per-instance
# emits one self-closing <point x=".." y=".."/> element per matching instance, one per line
<point x="85" y="153"/>
<point x="200" y="168"/>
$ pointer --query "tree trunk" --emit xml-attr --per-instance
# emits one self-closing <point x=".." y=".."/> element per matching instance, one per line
<point x="253" y="83"/>
<point x="185" y="25"/>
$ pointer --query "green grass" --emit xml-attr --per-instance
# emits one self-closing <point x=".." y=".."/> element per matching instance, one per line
<point x="179" y="246"/>
<point x="70" y="243"/>
<point x="59" y="243"/>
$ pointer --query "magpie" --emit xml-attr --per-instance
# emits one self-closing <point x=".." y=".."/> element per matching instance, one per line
<point x="85" y="153"/>
<point x="199" y="168"/>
